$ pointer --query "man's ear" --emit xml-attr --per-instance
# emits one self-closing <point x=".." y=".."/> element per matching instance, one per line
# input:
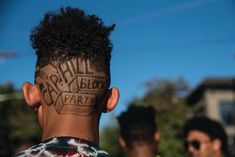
<point x="217" y="145"/>
<point x="111" y="99"/>
<point x="157" y="136"/>
<point x="122" y="143"/>
<point x="31" y="95"/>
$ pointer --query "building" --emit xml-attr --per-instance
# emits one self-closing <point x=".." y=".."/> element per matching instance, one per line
<point x="215" y="98"/>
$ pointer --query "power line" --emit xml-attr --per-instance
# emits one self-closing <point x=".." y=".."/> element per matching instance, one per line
<point x="166" y="11"/>
<point x="184" y="44"/>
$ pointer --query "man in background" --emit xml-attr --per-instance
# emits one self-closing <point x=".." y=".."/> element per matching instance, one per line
<point x="72" y="79"/>
<point x="139" y="133"/>
<point x="205" y="138"/>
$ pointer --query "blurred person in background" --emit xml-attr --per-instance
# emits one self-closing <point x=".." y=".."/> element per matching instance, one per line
<point x="205" y="138"/>
<point x="72" y="79"/>
<point x="139" y="133"/>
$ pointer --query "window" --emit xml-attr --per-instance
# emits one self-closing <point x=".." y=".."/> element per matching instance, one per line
<point x="227" y="109"/>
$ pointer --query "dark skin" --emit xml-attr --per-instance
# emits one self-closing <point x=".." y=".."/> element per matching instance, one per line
<point x="61" y="106"/>
<point x="72" y="87"/>
<point x="142" y="148"/>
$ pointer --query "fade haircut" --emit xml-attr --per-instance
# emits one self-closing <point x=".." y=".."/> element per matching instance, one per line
<point x="73" y="60"/>
<point x="137" y="124"/>
<point x="210" y="127"/>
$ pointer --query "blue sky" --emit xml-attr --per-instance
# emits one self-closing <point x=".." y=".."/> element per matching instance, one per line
<point x="194" y="39"/>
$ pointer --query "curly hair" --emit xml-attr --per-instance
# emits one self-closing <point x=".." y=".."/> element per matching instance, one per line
<point x="210" y="127"/>
<point x="137" y="124"/>
<point x="69" y="33"/>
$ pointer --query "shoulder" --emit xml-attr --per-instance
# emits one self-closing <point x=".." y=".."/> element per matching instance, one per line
<point x="30" y="151"/>
<point x="62" y="146"/>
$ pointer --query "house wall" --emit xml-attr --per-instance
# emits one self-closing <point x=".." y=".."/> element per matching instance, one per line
<point x="199" y="108"/>
<point x="212" y="107"/>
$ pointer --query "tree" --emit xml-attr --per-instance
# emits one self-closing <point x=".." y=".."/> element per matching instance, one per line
<point x="18" y="122"/>
<point x="166" y="96"/>
<point x="110" y="135"/>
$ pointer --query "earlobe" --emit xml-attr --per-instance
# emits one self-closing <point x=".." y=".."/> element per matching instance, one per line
<point x="31" y="95"/>
<point x="111" y="100"/>
<point x="217" y="144"/>
<point x="122" y="143"/>
<point x="157" y="136"/>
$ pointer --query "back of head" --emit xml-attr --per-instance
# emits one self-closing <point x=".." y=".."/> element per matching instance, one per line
<point x="210" y="127"/>
<point x="137" y="125"/>
<point x="73" y="60"/>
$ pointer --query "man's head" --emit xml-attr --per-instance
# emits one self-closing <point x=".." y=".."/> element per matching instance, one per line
<point x="139" y="134"/>
<point x="204" y="138"/>
<point x="73" y="65"/>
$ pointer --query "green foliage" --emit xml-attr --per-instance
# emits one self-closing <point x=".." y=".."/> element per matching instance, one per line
<point x="109" y="139"/>
<point x="166" y="97"/>
<point x="170" y="125"/>
<point x="18" y="123"/>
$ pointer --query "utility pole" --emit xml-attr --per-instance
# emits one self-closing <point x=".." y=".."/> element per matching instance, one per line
<point x="11" y="96"/>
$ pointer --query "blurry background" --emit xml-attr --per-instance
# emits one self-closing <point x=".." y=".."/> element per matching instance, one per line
<point x="177" y="56"/>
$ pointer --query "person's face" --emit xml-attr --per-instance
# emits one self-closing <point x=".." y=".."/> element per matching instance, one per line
<point x="198" y="144"/>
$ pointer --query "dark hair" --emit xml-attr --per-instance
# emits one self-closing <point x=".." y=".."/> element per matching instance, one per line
<point x="73" y="60"/>
<point x="72" y="33"/>
<point x="210" y="127"/>
<point x="137" y="124"/>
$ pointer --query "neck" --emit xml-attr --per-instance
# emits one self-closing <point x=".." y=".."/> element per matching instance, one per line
<point x="73" y="126"/>
<point x="219" y="154"/>
<point x="143" y="150"/>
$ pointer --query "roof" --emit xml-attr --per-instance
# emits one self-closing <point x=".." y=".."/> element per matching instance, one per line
<point x="212" y="84"/>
